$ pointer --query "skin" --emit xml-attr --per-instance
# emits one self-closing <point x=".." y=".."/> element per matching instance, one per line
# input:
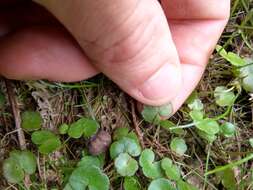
<point x="154" y="52"/>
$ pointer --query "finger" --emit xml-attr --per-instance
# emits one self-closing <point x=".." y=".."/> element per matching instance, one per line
<point x="43" y="53"/>
<point x="196" y="27"/>
<point x="129" y="41"/>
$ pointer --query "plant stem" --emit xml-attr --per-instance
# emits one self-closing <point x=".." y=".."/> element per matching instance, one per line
<point x="231" y="165"/>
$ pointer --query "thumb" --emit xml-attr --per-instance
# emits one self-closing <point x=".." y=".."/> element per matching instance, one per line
<point x="129" y="41"/>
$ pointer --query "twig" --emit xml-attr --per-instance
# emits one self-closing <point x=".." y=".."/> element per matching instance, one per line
<point x="16" y="113"/>
<point x="136" y="125"/>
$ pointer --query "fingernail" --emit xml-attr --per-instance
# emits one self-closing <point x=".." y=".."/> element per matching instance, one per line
<point x="163" y="85"/>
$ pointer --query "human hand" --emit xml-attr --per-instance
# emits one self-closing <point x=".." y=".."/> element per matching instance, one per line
<point x="129" y="41"/>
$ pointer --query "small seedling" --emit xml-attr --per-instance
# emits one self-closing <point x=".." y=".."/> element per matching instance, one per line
<point x="31" y="120"/>
<point x="126" y="165"/>
<point x="228" y="129"/>
<point x="131" y="183"/>
<point x="161" y="184"/>
<point x="223" y="96"/>
<point x="150" y="168"/>
<point x="47" y="141"/>
<point x="18" y="164"/>
<point x="83" y="127"/>
<point x="178" y="146"/>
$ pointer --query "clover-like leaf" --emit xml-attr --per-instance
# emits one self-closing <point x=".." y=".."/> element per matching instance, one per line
<point x="84" y="126"/>
<point x="166" y="124"/>
<point x="131" y="183"/>
<point x="25" y="159"/>
<point x="208" y="125"/>
<point x="154" y="114"/>
<point x="12" y="171"/>
<point x="223" y="96"/>
<point x="178" y="146"/>
<point x="246" y="74"/>
<point x="150" y="168"/>
<point x="228" y="129"/>
<point x="126" y="165"/>
<point x="161" y="184"/>
<point x="47" y="141"/>
<point x="125" y="145"/>
<point x="91" y="178"/>
<point x="181" y="185"/>
<point x="171" y="170"/>
<point x="63" y="129"/>
<point x="231" y="57"/>
<point x="31" y="120"/>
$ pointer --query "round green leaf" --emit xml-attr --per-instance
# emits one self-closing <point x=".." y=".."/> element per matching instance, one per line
<point x="31" y="120"/>
<point x="88" y="177"/>
<point x="76" y="129"/>
<point x="150" y="168"/>
<point x="83" y="126"/>
<point x="223" y="96"/>
<point x="196" y="115"/>
<point x="171" y="171"/>
<point x="246" y="73"/>
<point x="50" y="145"/>
<point x="63" y="129"/>
<point x="26" y="160"/>
<point x="87" y="161"/>
<point x="39" y="137"/>
<point x="209" y="126"/>
<point x="12" y="171"/>
<point x="126" y="165"/>
<point x="178" y="146"/>
<point x="161" y="184"/>
<point x="91" y="128"/>
<point x="131" y="183"/>
<point x="228" y="129"/>
<point x="125" y="145"/>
